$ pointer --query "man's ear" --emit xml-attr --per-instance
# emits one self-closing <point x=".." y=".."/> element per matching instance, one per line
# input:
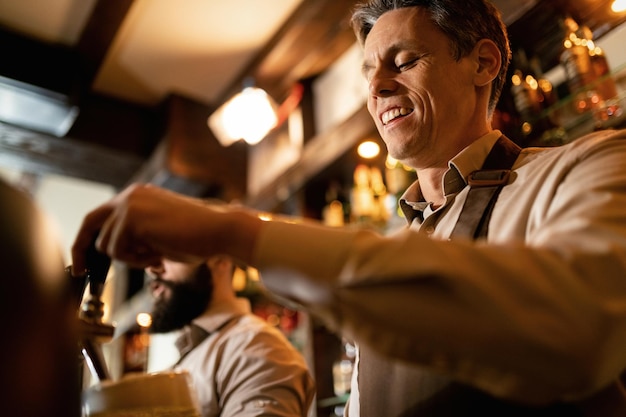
<point x="489" y="61"/>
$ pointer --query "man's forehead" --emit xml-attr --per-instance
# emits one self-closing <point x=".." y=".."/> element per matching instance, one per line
<point x="413" y="32"/>
<point x="405" y="23"/>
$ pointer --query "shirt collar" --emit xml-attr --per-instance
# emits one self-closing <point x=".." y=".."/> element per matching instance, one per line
<point x="221" y="312"/>
<point x="190" y="337"/>
<point x="216" y="316"/>
<point x="470" y="159"/>
<point x="473" y="156"/>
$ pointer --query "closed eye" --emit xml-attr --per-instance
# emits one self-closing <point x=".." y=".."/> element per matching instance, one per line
<point x="408" y="64"/>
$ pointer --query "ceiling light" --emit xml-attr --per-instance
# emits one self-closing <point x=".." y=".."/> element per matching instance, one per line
<point x="249" y="115"/>
<point x="618" y="6"/>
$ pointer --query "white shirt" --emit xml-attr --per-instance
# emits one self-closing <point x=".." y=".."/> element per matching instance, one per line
<point x="245" y="367"/>
<point x="548" y="288"/>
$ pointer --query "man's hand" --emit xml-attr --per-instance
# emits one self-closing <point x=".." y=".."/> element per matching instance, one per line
<point x="145" y="223"/>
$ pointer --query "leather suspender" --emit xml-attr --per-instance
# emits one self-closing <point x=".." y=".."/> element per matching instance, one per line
<point x="473" y="222"/>
<point x="485" y="185"/>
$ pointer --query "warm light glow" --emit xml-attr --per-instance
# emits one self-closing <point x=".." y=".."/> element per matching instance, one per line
<point x="545" y="85"/>
<point x="266" y="217"/>
<point x="516" y="79"/>
<point x="619" y="6"/>
<point x="532" y="82"/>
<point x="368" y="149"/>
<point x="253" y="274"/>
<point x="144" y="319"/>
<point x="239" y="279"/>
<point x="391" y="162"/>
<point x="249" y="115"/>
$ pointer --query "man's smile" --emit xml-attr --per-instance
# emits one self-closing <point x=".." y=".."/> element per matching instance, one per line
<point x="394" y="113"/>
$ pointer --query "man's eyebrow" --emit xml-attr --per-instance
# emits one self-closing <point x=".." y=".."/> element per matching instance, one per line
<point x="365" y="67"/>
<point x="393" y="50"/>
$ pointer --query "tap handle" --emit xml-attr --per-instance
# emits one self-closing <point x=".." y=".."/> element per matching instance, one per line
<point x="98" y="264"/>
<point x="77" y="286"/>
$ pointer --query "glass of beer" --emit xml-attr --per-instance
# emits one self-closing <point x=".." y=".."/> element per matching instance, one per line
<point x="161" y="394"/>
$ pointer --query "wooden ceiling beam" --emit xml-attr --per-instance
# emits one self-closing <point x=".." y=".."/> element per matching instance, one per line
<point x="315" y="35"/>
<point x="97" y="37"/>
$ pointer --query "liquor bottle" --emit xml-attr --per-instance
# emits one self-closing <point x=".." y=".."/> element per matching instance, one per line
<point x="361" y="196"/>
<point x="587" y="71"/>
<point x="575" y="57"/>
<point x="524" y="90"/>
<point x="333" y="213"/>
<point x="369" y="198"/>
<point x="548" y="95"/>
<point x="609" y="105"/>
<point x="343" y="368"/>
<point x="532" y="95"/>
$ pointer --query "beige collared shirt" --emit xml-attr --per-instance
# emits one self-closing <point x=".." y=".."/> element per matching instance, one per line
<point x="537" y="313"/>
<point x="245" y="367"/>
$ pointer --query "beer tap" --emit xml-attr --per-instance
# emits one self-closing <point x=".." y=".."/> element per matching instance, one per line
<point x="91" y="329"/>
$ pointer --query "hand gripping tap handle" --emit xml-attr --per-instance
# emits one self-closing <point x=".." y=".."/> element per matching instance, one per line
<point x="98" y="264"/>
<point x="93" y="331"/>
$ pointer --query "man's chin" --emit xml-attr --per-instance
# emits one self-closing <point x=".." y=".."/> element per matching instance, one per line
<point x="166" y="323"/>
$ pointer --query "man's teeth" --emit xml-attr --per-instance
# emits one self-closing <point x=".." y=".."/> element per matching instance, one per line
<point x="392" y="114"/>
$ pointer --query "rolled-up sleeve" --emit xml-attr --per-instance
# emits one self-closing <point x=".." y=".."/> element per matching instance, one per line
<point x="537" y="313"/>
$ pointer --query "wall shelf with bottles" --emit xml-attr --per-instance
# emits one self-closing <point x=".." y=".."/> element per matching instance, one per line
<point x="572" y="117"/>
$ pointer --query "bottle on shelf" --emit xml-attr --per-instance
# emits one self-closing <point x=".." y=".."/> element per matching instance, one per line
<point x="368" y="201"/>
<point x="587" y="71"/>
<point x="608" y="108"/>
<point x="533" y="95"/>
<point x="343" y="368"/>
<point x="333" y="213"/>
<point x="605" y="84"/>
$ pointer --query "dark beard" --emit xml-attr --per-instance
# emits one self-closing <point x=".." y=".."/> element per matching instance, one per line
<point x="187" y="301"/>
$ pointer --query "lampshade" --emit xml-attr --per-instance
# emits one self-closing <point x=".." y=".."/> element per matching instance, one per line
<point x="618" y="6"/>
<point x="249" y="115"/>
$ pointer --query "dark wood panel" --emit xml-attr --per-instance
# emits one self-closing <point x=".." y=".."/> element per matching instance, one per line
<point x="318" y="153"/>
<point x="28" y="151"/>
<point x="194" y="153"/>
<point x="51" y="66"/>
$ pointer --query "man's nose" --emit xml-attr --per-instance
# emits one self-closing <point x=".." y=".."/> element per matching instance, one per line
<point x="156" y="287"/>
<point x="382" y="84"/>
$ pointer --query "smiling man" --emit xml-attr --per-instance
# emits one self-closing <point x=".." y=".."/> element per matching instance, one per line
<point x="521" y="313"/>
<point x="428" y="104"/>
